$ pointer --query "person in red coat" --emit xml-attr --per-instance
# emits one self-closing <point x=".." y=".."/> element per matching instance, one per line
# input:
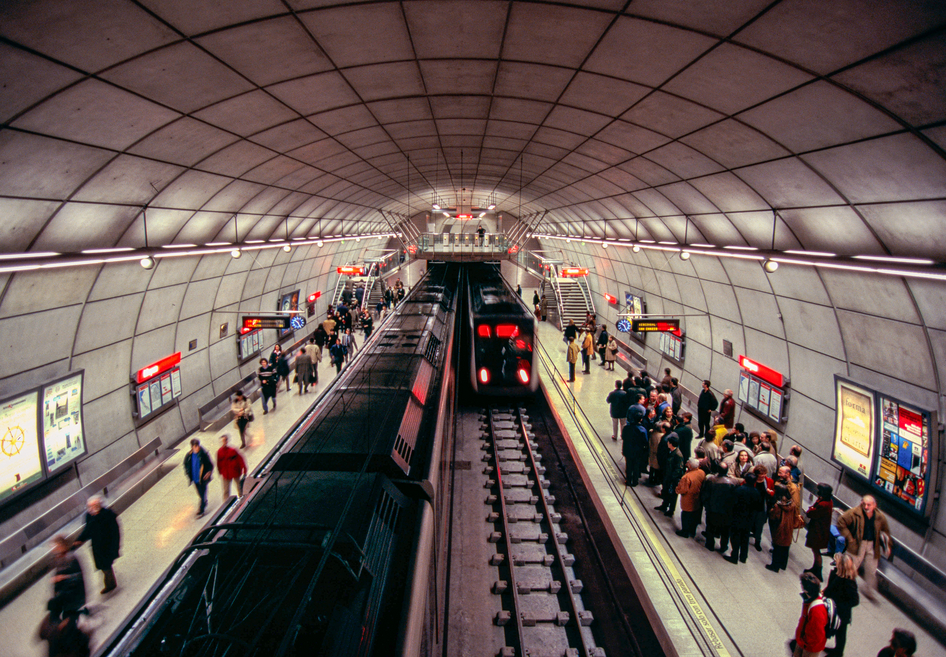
<point x="231" y="466"/>
<point x="819" y="527"/>
<point x="810" y="636"/>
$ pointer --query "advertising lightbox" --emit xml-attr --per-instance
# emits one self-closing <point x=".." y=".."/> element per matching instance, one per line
<point x="63" y="435"/>
<point x="854" y="428"/>
<point x="20" y="463"/>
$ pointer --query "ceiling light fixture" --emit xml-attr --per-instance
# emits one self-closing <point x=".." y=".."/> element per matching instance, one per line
<point x="906" y="261"/>
<point x="636" y="248"/>
<point x="491" y="206"/>
<point x="770" y="266"/>
<point x="684" y="255"/>
<point x="236" y="253"/>
<point x="147" y="262"/>
<point x="287" y="248"/>
<point x="22" y="256"/>
<point x="436" y="207"/>
<point x="741" y="248"/>
<point x="115" y="250"/>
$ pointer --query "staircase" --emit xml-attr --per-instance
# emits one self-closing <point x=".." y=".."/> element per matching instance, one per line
<point x="574" y="300"/>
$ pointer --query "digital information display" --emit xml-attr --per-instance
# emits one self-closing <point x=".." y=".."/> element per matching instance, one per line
<point x="157" y="393"/>
<point x="20" y="464"/>
<point x="255" y="323"/>
<point x="761" y="396"/>
<point x="886" y="442"/>
<point x="903" y="454"/>
<point x="63" y="435"/>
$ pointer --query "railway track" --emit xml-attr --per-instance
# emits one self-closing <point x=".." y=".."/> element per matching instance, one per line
<point x="542" y="609"/>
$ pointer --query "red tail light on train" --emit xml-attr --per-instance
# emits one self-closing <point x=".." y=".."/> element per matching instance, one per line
<point x="484" y="375"/>
<point x="507" y="331"/>
<point x="524" y="371"/>
<point x="483" y="331"/>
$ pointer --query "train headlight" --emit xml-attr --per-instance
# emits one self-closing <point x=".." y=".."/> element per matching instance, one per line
<point x="523" y="372"/>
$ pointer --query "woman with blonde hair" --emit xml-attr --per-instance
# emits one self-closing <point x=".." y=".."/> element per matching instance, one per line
<point x="842" y="588"/>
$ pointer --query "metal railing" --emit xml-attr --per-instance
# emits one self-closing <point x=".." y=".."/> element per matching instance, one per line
<point x="472" y="243"/>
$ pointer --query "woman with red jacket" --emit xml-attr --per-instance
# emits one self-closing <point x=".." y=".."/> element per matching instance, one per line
<point x="810" y="636"/>
<point x="231" y="466"/>
<point x="819" y="527"/>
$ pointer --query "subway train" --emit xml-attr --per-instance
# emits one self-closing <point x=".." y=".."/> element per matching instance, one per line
<point x="339" y="548"/>
<point x="501" y="333"/>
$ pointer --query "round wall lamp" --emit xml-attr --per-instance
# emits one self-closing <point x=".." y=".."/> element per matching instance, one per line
<point x="604" y="245"/>
<point x="636" y="248"/>
<point x="236" y="253"/>
<point x="684" y="255"/>
<point x="147" y="262"/>
<point x="287" y="248"/>
<point x="770" y="266"/>
<point x="319" y="243"/>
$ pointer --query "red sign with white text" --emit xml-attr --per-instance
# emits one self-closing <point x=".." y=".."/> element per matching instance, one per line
<point x="763" y="372"/>
<point x="156" y="368"/>
<point x="574" y="272"/>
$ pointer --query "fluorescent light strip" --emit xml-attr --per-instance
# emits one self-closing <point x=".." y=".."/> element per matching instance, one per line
<point x="217" y="244"/>
<point x="704" y="246"/>
<point x="822" y="254"/>
<point x="115" y="250"/>
<point x="647" y="241"/>
<point x="178" y="246"/>
<point x="255" y="241"/>
<point x="723" y="254"/>
<point x="741" y="248"/>
<point x="666" y="242"/>
<point x="905" y="261"/>
<point x="22" y="256"/>
<point x="914" y="274"/>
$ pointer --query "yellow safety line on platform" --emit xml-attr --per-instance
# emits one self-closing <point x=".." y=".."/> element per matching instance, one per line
<point x="644" y="522"/>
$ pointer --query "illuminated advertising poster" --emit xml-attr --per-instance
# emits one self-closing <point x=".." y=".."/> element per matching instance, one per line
<point x="903" y="452"/>
<point x="155" y="387"/>
<point x="743" y="394"/>
<point x="764" y="392"/>
<point x="775" y="405"/>
<point x="854" y="428"/>
<point x="63" y="437"/>
<point x="286" y="303"/>
<point x="20" y="464"/>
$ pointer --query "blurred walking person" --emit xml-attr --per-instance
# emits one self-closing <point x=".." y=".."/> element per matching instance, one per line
<point x="101" y="528"/>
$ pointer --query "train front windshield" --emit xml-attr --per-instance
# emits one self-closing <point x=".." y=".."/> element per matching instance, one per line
<point x="504" y="352"/>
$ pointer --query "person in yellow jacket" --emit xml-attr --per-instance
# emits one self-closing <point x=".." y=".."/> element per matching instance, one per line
<point x="587" y="348"/>
<point x="572" y="357"/>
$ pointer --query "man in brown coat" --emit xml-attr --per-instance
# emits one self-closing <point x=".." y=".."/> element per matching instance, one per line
<point x="689" y="491"/>
<point x="868" y="537"/>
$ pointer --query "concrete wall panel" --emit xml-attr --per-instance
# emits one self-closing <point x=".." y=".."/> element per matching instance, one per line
<point x="274" y="279"/>
<point x="108" y="457"/>
<point x="172" y="271"/>
<point x="32" y="291"/>
<point x="168" y="427"/>
<point x="812" y="326"/>
<point x="894" y="348"/>
<point x="194" y="328"/>
<point x="118" y="279"/>
<point x="760" y="311"/>
<point x="721" y="301"/>
<point x="709" y="269"/>
<point x="107" y="418"/>
<point x="199" y="297"/>
<point x="102" y="372"/>
<point x="930" y="297"/>
<point x="691" y="292"/>
<point x="160" y="307"/>
<point x="883" y="296"/>
<point x="212" y="266"/>
<point x="107" y="321"/>
<point x="152" y="346"/>
<point x="813" y="373"/>
<point x="52" y="329"/>
<point x="766" y="349"/>
<point x="747" y="273"/>
<point x="802" y="283"/>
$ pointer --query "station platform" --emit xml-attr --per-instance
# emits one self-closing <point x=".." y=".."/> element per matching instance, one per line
<point x="155" y="529"/>
<point x="707" y="605"/>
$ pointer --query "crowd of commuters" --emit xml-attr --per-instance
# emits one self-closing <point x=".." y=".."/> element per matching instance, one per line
<point x="735" y="484"/>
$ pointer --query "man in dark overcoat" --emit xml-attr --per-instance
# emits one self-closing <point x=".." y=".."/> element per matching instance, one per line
<point x="101" y="527"/>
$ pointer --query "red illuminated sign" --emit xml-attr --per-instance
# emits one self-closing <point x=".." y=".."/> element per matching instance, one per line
<point x="514" y="248"/>
<point x="763" y="372"/>
<point x="610" y="298"/>
<point x="314" y="296"/>
<point x="154" y="369"/>
<point x="656" y="326"/>
<point x="350" y="270"/>
<point x="464" y="216"/>
<point x="574" y="272"/>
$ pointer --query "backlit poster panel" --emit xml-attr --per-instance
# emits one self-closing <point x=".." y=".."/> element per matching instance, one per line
<point x="903" y="452"/>
<point x="854" y="428"/>
<point x="63" y="436"/>
<point x="20" y="464"/>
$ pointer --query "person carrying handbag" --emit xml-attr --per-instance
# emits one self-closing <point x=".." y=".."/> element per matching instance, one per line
<point x="242" y="413"/>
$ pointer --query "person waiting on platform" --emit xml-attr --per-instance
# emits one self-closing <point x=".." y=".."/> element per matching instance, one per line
<point x="602" y="344"/>
<point x="587" y="349"/>
<point x="618" y="404"/>
<point x="281" y="365"/>
<point x="543" y="308"/>
<point x="747" y="502"/>
<point x="315" y="355"/>
<point x="480" y="234"/>
<point x="689" y="491"/>
<point x="572" y="357"/>
<point x="785" y="520"/>
<point x="242" y="414"/>
<point x="819" y="527"/>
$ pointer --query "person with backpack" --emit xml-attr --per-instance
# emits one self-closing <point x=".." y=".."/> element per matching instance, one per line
<point x="810" y="636"/>
<point x="842" y="590"/>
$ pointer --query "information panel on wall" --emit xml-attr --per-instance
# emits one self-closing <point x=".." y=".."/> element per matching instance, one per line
<point x="672" y="345"/>
<point x="20" y="464"/>
<point x="63" y="434"/>
<point x="762" y="390"/>
<point x="250" y="344"/>
<point x="886" y="442"/>
<point x="158" y="386"/>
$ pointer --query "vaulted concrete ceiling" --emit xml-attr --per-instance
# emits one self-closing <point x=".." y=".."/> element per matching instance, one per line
<point x="670" y="120"/>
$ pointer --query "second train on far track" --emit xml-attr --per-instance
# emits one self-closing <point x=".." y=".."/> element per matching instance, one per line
<point x="501" y="335"/>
